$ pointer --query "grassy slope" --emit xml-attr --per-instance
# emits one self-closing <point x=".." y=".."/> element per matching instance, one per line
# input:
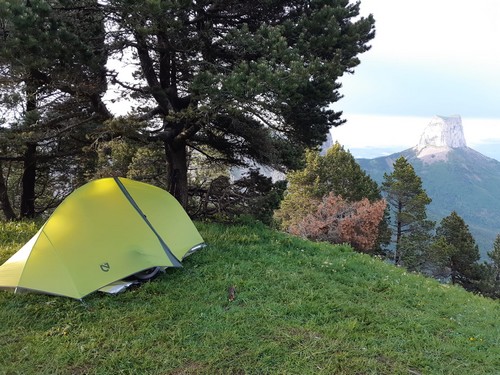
<point x="300" y="308"/>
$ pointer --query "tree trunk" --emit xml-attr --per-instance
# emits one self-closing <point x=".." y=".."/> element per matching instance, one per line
<point x="399" y="233"/>
<point x="4" y="198"/>
<point x="453" y="273"/>
<point x="29" y="158"/>
<point x="176" y="155"/>
<point x="28" y="182"/>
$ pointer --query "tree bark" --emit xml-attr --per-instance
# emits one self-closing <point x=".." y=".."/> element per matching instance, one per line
<point x="28" y="182"/>
<point x="29" y="158"/>
<point x="4" y="198"/>
<point x="399" y="231"/>
<point x="176" y="155"/>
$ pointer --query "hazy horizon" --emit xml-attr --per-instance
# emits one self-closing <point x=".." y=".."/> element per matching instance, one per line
<point x="371" y="136"/>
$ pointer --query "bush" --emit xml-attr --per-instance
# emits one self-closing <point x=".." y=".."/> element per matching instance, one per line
<point x="254" y="195"/>
<point x="339" y="221"/>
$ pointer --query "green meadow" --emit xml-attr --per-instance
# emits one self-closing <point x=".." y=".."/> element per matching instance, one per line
<point x="299" y="308"/>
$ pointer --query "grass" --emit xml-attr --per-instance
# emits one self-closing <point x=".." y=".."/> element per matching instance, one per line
<point x="300" y="308"/>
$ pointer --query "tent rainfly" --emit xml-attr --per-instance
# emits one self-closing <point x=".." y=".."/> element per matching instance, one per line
<point x="104" y="231"/>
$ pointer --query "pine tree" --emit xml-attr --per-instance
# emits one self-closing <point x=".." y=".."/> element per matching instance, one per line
<point x="336" y="172"/>
<point x="489" y="284"/>
<point x="494" y="255"/>
<point x="246" y="81"/>
<point x="53" y="74"/>
<point x="456" y="250"/>
<point x="415" y="246"/>
<point x="241" y="81"/>
<point x="408" y="200"/>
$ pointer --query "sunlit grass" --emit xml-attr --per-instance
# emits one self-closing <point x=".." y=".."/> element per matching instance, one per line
<point x="299" y="308"/>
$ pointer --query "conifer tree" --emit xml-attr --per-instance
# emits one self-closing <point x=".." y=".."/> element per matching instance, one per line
<point x="494" y="268"/>
<point x="240" y="81"/>
<point x="336" y="172"/>
<point x="415" y="246"/>
<point x="408" y="200"/>
<point x="488" y="273"/>
<point x="495" y="258"/>
<point x="246" y="81"/>
<point x="52" y="78"/>
<point x="456" y="250"/>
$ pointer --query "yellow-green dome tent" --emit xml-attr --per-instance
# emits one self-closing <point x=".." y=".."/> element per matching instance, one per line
<point x="104" y="231"/>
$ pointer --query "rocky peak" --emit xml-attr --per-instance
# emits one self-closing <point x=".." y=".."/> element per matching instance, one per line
<point x="327" y="144"/>
<point x="443" y="132"/>
<point x="441" y="135"/>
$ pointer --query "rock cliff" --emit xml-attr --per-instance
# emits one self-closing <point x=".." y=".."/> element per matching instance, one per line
<point x="441" y="135"/>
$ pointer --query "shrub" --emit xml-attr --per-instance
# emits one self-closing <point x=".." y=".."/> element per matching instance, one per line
<point x="253" y="195"/>
<point x="339" y="221"/>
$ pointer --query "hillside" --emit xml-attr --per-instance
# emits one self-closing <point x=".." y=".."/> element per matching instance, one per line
<point x="299" y="308"/>
<point x="466" y="182"/>
<point x="456" y="177"/>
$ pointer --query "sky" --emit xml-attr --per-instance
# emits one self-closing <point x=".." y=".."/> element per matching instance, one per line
<point x="429" y="57"/>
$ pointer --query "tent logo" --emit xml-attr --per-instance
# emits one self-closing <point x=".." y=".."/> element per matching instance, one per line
<point x="105" y="267"/>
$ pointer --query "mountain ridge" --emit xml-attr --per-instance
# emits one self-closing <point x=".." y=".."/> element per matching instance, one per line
<point x="456" y="177"/>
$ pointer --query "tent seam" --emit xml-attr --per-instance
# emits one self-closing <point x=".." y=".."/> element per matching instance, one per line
<point x="175" y="262"/>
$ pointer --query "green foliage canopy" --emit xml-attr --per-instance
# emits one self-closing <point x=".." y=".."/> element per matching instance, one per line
<point x="456" y="249"/>
<point x="248" y="80"/>
<point x="408" y="200"/>
<point x="52" y="76"/>
<point x="336" y="172"/>
<point x="494" y="255"/>
<point x="242" y="81"/>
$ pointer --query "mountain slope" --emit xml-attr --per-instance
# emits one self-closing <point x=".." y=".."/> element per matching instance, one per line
<point x="461" y="180"/>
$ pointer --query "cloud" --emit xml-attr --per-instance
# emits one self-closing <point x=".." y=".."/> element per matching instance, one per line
<point x="428" y="57"/>
<point x="372" y="131"/>
<point x="395" y="88"/>
<point x="445" y="30"/>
